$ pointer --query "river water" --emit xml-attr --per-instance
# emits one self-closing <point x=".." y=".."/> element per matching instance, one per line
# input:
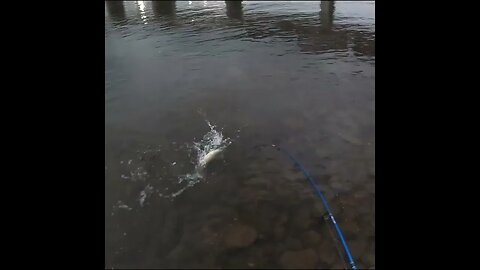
<point x="185" y="78"/>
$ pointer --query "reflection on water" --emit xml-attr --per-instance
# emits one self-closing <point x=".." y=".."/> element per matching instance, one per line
<point x="299" y="74"/>
<point x="326" y="14"/>
<point x="234" y="10"/>
<point x="116" y="10"/>
<point x="161" y="8"/>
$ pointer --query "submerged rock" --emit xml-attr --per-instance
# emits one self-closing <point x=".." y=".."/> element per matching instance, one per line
<point x="358" y="247"/>
<point x="301" y="219"/>
<point x="350" y="229"/>
<point x="282" y="218"/>
<point x="311" y="238"/>
<point x="302" y="259"/>
<point x="293" y="244"/>
<point x="278" y="232"/>
<point x="328" y="254"/>
<point x="239" y="235"/>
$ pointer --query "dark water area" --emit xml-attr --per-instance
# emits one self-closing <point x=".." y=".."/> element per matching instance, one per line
<point x="298" y="74"/>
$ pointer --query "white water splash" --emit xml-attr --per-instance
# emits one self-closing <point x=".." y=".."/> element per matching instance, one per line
<point x="121" y="205"/>
<point x="144" y="194"/>
<point x="207" y="149"/>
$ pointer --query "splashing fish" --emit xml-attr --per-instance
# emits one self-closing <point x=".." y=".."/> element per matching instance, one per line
<point x="207" y="149"/>
<point x="209" y="157"/>
<point x="212" y="144"/>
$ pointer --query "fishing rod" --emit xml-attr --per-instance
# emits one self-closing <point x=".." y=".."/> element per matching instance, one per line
<point x="325" y="205"/>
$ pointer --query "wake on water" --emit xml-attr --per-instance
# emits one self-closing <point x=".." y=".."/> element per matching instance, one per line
<point x="212" y="144"/>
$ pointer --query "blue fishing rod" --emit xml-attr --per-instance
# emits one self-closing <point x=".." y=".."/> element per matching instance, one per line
<point x="325" y="205"/>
